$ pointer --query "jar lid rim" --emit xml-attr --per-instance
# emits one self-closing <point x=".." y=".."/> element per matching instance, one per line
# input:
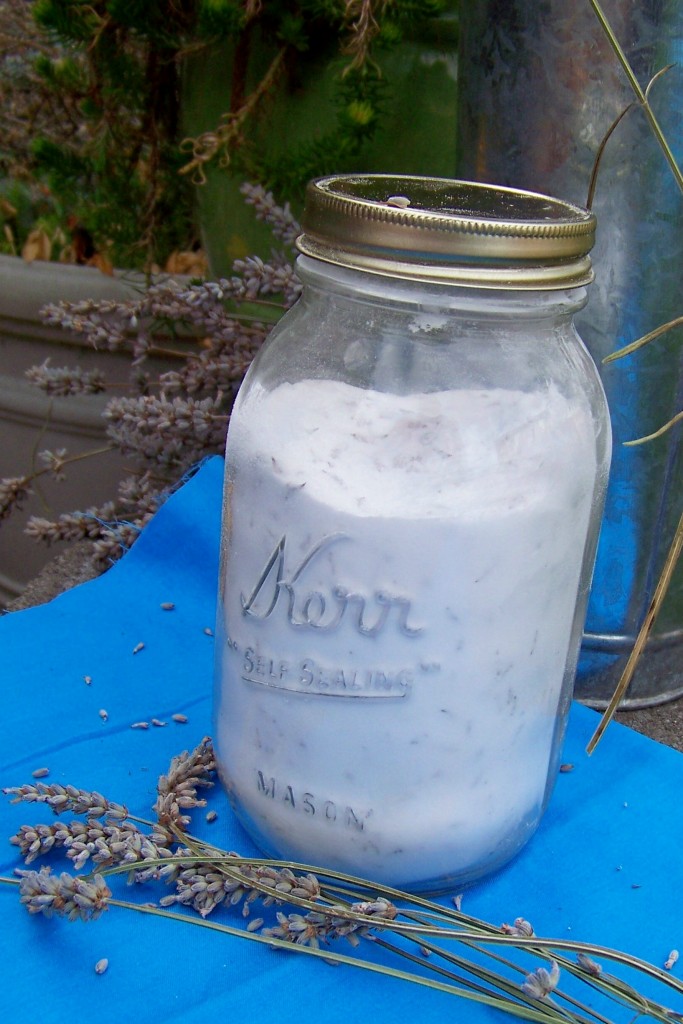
<point x="448" y="230"/>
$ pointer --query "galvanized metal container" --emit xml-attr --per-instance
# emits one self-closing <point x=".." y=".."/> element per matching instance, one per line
<point x="540" y="87"/>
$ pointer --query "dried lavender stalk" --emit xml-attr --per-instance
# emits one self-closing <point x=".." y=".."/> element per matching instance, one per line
<point x="110" y="538"/>
<point x="205" y="886"/>
<point x="177" y="789"/>
<point x="280" y="218"/>
<point x="67" y="798"/>
<point x="171" y="433"/>
<point x="332" y="923"/>
<point x="13" y="491"/>
<point x="206" y="878"/>
<point x="104" y="844"/>
<point x="66" y="380"/>
<point x="105" y="323"/>
<point x="48" y="894"/>
<point x="167" y="425"/>
<point x="272" y="278"/>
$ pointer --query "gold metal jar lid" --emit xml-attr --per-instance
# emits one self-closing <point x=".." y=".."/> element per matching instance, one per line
<point x="453" y="232"/>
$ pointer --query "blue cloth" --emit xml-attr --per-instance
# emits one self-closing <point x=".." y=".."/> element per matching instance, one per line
<point x="604" y="866"/>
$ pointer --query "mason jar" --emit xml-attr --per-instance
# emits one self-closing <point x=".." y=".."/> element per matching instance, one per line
<point x="415" y="472"/>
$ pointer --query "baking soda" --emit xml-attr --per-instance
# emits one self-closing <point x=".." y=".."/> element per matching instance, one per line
<point x="399" y="585"/>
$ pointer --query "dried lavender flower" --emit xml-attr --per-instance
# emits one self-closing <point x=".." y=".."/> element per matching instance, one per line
<point x="302" y="929"/>
<point x="268" y="278"/>
<point x="520" y="927"/>
<point x="168" y="424"/>
<point x="177" y="789"/>
<point x="343" y="926"/>
<point x="280" y="218"/>
<point x="67" y="798"/>
<point x="86" y="525"/>
<point x="103" y="843"/>
<point x="13" y="491"/>
<point x="54" y="462"/>
<point x="332" y="923"/>
<point x="205" y="886"/>
<point x="45" y="893"/>
<point x="66" y="380"/>
<point x="541" y="982"/>
<point x="100" y="321"/>
<point x="115" y="541"/>
<point x="171" y="433"/>
<point x="140" y="494"/>
<point x="589" y="965"/>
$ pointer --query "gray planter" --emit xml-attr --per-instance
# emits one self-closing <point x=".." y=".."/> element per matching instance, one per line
<point x="31" y="421"/>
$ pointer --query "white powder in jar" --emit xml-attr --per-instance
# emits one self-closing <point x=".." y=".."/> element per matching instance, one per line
<point x="400" y="579"/>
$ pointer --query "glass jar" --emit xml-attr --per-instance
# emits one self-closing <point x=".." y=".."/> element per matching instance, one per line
<point x="415" y="472"/>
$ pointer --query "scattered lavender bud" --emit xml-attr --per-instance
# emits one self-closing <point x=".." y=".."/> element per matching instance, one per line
<point x="255" y="924"/>
<point x="400" y="201"/>
<point x="457" y="902"/>
<point x="671" y="959"/>
<point x="211" y="817"/>
<point x="103" y="714"/>
<point x="101" y="966"/>
<point x="138" y="647"/>
<point x="566" y="768"/>
<point x="208" y="631"/>
<point x="87" y="680"/>
<point x="181" y="719"/>
<point x="167" y="606"/>
<point x="157" y="722"/>
<point x="140" y="725"/>
<point x="40" y="773"/>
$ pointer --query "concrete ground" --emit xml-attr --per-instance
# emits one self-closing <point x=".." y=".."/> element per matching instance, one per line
<point x="75" y="565"/>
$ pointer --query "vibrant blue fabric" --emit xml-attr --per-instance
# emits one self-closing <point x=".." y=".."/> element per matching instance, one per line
<point x="604" y="867"/>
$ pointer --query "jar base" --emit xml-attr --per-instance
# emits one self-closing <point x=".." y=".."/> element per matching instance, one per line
<point x="452" y="882"/>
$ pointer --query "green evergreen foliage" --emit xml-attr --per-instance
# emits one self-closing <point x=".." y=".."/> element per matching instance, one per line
<point x="121" y="64"/>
